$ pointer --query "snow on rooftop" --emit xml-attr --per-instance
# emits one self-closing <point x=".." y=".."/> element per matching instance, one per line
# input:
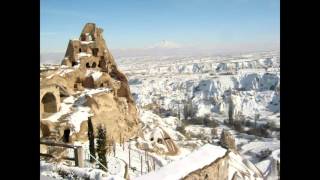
<point x="181" y="168"/>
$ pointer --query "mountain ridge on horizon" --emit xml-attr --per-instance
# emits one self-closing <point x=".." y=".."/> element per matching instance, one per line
<point x="168" y="48"/>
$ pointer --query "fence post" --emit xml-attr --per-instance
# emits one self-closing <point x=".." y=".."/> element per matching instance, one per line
<point x="129" y="156"/>
<point x="78" y="156"/>
<point x="114" y="148"/>
<point x="123" y="144"/>
<point x="148" y="165"/>
<point x="145" y="154"/>
<point x="141" y="163"/>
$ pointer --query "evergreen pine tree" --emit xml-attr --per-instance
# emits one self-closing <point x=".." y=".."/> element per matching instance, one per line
<point x="91" y="140"/>
<point x="101" y="146"/>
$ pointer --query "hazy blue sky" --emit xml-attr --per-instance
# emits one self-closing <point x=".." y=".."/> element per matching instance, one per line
<point x="139" y="23"/>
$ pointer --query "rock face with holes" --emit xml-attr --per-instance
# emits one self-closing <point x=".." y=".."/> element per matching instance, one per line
<point x="87" y="68"/>
<point x="158" y="141"/>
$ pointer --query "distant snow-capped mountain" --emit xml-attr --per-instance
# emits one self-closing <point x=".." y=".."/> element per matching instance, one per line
<point x="165" y="44"/>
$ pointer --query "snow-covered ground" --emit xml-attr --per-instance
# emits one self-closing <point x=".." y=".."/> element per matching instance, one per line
<point x="177" y="94"/>
<point x="197" y="87"/>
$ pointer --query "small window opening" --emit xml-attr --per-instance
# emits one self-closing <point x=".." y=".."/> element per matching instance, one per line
<point x="74" y="63"/>
<point x="95" y="52"/>
<point x="66" y="135"/>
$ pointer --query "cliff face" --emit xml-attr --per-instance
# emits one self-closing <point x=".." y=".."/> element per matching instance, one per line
<point x="88" y="65"/>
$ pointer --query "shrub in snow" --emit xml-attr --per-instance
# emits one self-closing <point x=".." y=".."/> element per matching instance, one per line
<point x="259" y="131"/>
<point x="213" y="123"/>
<point x="181" y="129"/>
<point x="272" y="126"/>
<point x="264" y="154"/>
<point x="206" y="121"/>
<point x="238" y="126"/>
<point x="247" y="123"/>
<point x="214" y="133"/>
<point x="69" y="174"/>
<point x="102" y="146"/>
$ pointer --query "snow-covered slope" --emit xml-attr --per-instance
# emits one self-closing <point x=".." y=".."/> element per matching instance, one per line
<point x="175" y="95"/>
<point x="190" y="88"/>
<point x="202" y="157"/>
<point x="206" y="84"/>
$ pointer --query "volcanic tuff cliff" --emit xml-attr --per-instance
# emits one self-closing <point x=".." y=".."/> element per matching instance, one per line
<point x="89" y="79"/>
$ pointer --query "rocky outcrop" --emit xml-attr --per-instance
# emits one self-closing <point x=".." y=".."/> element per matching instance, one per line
<point x="216" y="170"/>
<point x="171" y="85"/>
<point x="230" y="166"/>
<point x="227" y="140"/>
<point x="208" y="162"/>
<point x="89" y="65"/>
<point x="158" y="141"/>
